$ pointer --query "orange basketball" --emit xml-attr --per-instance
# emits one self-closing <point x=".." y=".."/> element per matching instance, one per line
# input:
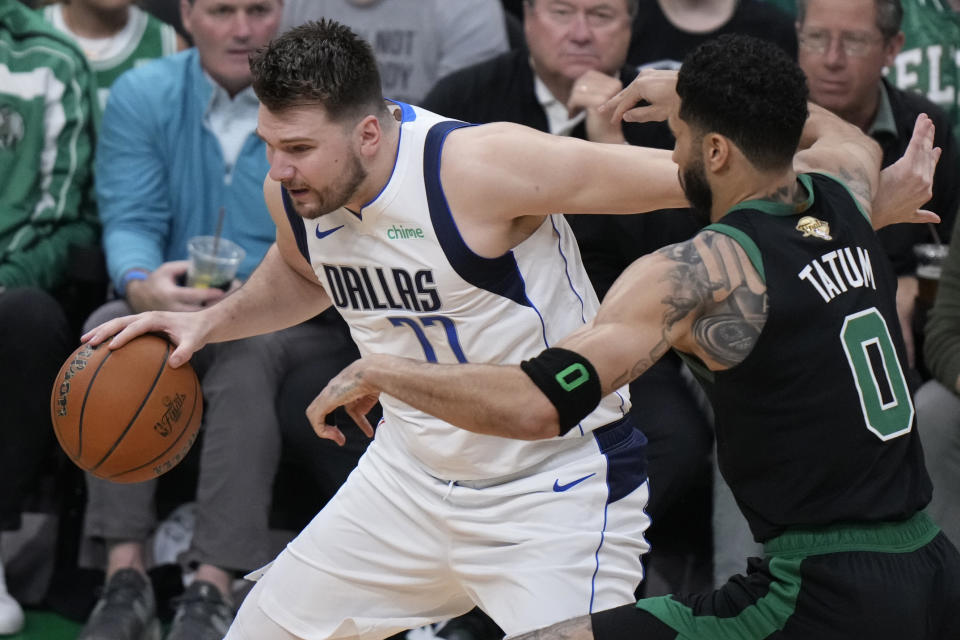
<point x="124" y="414"/>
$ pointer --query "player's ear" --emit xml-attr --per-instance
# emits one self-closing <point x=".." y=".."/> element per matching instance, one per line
<point x="367" y="135"/>
<point x="716" y="152"/>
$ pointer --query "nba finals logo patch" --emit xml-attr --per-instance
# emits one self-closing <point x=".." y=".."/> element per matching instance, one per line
<point x="811" y="226"/>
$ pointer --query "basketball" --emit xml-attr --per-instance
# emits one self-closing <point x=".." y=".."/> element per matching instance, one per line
<point x="124" y="414"/>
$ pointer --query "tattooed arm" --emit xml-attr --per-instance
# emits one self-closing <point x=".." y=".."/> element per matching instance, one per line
<point x="893" y="195"/>
<point x="832" y="145"/>
<point x="702" y="296"/>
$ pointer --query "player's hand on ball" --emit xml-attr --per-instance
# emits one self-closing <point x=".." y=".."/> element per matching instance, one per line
<point x="347" y="389"/>
<point x="182" y="328"/>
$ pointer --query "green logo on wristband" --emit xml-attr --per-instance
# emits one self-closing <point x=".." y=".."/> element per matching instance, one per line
<point x="572" y="377"/>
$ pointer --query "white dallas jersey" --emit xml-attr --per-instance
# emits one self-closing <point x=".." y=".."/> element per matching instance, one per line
<point x="408" y="285"/>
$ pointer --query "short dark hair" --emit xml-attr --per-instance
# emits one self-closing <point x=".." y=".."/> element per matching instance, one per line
<point x="889" y="16"/>
<point x="323" y="63"/>
<point x="748" y="90"/>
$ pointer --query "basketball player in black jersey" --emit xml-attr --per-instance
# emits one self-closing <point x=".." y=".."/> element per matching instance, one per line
<point x="784" y="306"/>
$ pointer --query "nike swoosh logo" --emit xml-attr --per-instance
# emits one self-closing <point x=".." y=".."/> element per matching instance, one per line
<point x="324" y="234"/>
<point x="563" y="487"/>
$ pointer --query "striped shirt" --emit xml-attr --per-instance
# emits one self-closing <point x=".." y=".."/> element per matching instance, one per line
<point x="47" y="130"/>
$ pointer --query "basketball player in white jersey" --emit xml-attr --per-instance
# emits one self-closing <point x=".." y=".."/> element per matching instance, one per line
<point x="441" y="242"/>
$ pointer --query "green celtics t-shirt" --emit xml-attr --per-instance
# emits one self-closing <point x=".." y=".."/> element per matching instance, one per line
<point x="930" y="59"/>
<point x="142" y="39"/>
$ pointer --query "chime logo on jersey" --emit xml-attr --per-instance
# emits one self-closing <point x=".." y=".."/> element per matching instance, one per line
<point x="400" y="232"/>
<point x="381" y="288"/>
<point x="811" y="226"/>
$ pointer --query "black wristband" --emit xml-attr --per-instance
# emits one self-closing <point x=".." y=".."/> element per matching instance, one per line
<point x="569" y="381"/>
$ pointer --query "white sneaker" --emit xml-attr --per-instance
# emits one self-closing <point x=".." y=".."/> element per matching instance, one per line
<point x="11" y="615"/>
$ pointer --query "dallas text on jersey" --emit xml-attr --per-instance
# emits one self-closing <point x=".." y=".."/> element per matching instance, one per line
<point x="381" y="288"/>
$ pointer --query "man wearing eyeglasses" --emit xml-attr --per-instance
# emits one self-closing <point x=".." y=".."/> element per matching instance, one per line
<point x="844" y="47"/>
<point x="574" y="60"/>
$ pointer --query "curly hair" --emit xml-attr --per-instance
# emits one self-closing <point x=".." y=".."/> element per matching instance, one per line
<point x="323" y="63"/>
<point x="748" y="90"/>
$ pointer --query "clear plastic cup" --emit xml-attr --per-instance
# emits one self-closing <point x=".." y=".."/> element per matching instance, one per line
<point x="213" y="262"/>
<point x="930" y="259"/>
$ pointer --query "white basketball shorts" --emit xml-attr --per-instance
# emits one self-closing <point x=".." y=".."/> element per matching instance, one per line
<point x="397" y="548"/>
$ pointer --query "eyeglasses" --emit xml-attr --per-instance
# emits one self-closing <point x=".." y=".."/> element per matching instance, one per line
<point x="564" y="14"/>
<point x="853" y="43"/>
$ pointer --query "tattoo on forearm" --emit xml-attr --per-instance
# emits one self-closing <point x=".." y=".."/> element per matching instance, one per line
<point x="573" y="629"/>
<point x="711" y="284"/>
<point x="642" y="364"/>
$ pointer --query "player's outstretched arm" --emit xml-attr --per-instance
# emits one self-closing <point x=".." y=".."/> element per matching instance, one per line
<point x="831" y="145"/>
<point x="506" y="171"/>
<point x="703" y="297"/>
<point x="281" y="292"/>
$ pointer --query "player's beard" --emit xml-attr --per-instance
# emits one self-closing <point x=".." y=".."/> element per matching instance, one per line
<point x="336" y="195"/>
<point x="693" y="181"/>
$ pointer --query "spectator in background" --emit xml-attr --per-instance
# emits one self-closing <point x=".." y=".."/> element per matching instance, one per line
<point x="844" y="47"/>
<point x="115" y="36"/>
<point x="573" y="62"/>
<point x="664" y="31"/>
<point x="929" y="60"/>
<point x="47" y="116"/>
<point x="416" y="43"/>
<point x="937" y="401"/>
<point x="178" y="144"/>
<point x="168" y="11"/>
<point x="787" y="6"/>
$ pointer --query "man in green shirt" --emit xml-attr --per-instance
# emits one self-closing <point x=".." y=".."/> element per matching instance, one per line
<point x="930" y="59"/>
<point x="114" y="38"/>
<point x="47" y="115"/>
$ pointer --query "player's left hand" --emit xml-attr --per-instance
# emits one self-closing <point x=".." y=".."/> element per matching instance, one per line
<point x="908" y="183"/>
<point x="347" y="389"/>
<point x="657" y="87"/>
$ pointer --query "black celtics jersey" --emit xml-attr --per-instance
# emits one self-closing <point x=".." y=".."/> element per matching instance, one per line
<point x="816" y="426"/>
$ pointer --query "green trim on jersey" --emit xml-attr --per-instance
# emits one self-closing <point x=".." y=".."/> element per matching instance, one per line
<point x="767" y="615"/>
<point x="785" y="556"/>
<point x="879" y="537"/>
<point x="779" y="208"/>
<point x="745" y="242"/>
<point x="856" y="201"/>
<point x="783" y="209"/>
